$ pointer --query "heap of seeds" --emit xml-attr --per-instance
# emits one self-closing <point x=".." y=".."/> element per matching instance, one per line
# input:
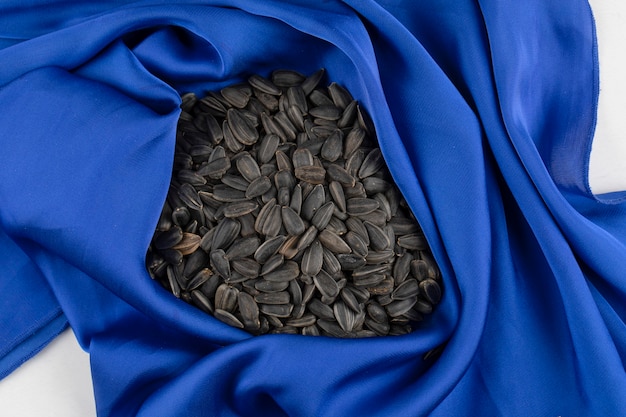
<point x="282" y="216"/>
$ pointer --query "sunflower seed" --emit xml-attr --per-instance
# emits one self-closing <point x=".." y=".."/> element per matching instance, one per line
<point x="296" y="199"/>
<point x="350" y="261"/>
<point x="225" y="233"/>
<point x="399" y="307"/>
<point x="378" y="238"/>
<point x="237" y="97"/>
<point x="281" y="297"/>
<point x="173" y="281"/>
<point x="430" y="290"/>
<point x="226" y="297"/>
<point x="289" y="249"/>
<point x="258" y="187"/>
<point x="306" y="238"/>
<point x="296" y="97"/>
<point x="346" y="317"/>
<point x="423" y="306"/>
<point x="284" y="178"/>
<point x="327" y="112"/>
<point x="330" y="263"/>
<point x="313" y="201"/>
<point x="406" y="289"/>
<point x="412" y="315"/>
<point x="169" y="238"/>
<point x="340" y="96"/>
<point x="321" y="310"/>
<point x="229" y="138"/>
<point x="287" y="78"/>
<point x="247" y="167"/>
<point x="360" y="206"/>
<point x="331" y="328"/>
<point x="263" y="215"/>
<point x="333" y="242"/>
<point x="268" y="101"/>
<point x="264" y="85"/>
<point x="403" y="226"/>
<point x="302" y="157"/>
<point x="381" y="329"/>
<point x="312" y="260"/>
<point x="402" y="267"/>
<point x="249" y="311"/>
<point x="326" y="285"/>
<point x="220" y="263"/>
<point x="226" y="194"/>
<point x="311" y="82"/>
<point x="333" y="146"/>
<point x="202" y="301"/>
<point x="296" y="117"/>
<point x="235" y="181"/>
<point x="336" y="192"/>
<point x="198" y="279"/>
<point x="372" y="163"/>
<point x="292" y="222"/>
<point x="368" y="281"/>
<point x="285" y="124"/>
<point x="267" y="148"/>
<point x="356" y="243"/>
<point x="273" y="223"/>
<point x="188" y="244"/>
<point x="339" y="174"/>
<point x="189" y="196"/>
<point x="413" y="241"/>
<point x="290" y="270"/>
<point x="296" y="292"/>
<point x="194" y="263"/>
<point x="376" y="312"/>
<point x="271" y="286"/>
<point x="322" y="216"/>
<point x="276" y="310"/>
<point x="311" y="174"/>
<point x="247" y="267"/>
<point x="227" y="318"/>
<point x="304" y="321"/>
<point x="272" y="263"/>
<point x="191" y="177"/>
<point x="234" y="210"/>
<point x="348" y="117"/>
<point x="350" y="300"/>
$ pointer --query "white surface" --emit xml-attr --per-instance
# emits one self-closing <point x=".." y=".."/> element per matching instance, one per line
<point x="57" y="382"/>
<point x="607" y="165"/>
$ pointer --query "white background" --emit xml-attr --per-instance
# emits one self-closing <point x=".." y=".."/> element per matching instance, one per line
<point x="57" y="382"/>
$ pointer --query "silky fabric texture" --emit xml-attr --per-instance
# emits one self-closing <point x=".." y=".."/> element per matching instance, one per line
<point x="484" y="112"/>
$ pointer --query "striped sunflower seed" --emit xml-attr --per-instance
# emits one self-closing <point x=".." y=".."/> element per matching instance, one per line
<point x="241" y="208"/>
<point x="248" y="167"/>
<point x="322" y="215"/>
<point x="292" y="221"/>
<point x="311" y="174"/>
<point x="220" y="263"/>
<point x="333" y="242"/>
<point x="312" y="260"/>
<point x="249" y="311"/>
<point x="227" y="318"/>
<point x="188" y="244"/>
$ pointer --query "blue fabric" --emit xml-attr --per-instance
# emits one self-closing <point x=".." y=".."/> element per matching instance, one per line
<point x="485" y="112"/>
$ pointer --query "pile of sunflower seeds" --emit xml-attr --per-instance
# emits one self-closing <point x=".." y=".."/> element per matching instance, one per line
<point x="282" y="216"/>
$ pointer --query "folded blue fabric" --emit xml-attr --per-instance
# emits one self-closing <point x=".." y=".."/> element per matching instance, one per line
<point x="485" y="113"/>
